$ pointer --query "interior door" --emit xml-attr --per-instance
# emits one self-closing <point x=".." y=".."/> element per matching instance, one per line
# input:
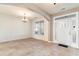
<point x="64" y="31"/>
<point x="68" y="31"/>
<point x="60" y="30"/>
<point x="74" y="32"/>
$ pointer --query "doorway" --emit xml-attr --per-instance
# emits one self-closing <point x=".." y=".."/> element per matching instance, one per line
<point x="65" y="30"/>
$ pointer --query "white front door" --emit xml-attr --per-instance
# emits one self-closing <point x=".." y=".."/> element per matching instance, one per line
<point x="65" y="31"/>
<point x="63" y="34"/>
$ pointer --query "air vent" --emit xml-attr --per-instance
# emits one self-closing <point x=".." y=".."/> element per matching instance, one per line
<point x="62" y="45"/>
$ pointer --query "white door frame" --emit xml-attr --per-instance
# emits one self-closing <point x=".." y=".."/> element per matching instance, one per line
<point x="77" y="26"/>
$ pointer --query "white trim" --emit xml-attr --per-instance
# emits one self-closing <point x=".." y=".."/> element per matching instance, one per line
<point x="65" y="15"/>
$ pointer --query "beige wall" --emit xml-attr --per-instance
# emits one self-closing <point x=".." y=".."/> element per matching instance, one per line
<point x="12" y="28"/>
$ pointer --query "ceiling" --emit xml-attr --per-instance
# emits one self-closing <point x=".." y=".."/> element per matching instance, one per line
<point x="35" y="10"/>
<point x="50" y="8"/>
<point x="17" y="11"/>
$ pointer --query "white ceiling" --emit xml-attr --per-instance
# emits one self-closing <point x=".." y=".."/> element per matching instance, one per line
<point x="34" y="10"/>
<point x="50" y="8"/>
<point x="17" y="11"/>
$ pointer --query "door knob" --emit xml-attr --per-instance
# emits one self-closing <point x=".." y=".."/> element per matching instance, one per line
<point x="73" y="26"/>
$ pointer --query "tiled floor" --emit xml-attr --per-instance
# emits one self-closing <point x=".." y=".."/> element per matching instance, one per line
<point x="33" y="47"/>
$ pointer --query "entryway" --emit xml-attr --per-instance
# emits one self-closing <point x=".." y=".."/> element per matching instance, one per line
<point x="65" y="30"/>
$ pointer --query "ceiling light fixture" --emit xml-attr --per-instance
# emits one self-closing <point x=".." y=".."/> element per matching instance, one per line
<point x="24" y="18"/>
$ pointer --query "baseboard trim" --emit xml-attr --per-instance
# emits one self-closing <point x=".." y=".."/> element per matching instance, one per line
<point x="15" y="40"/>
<point x="50" y="41"/>
<point x="43" y="40"/>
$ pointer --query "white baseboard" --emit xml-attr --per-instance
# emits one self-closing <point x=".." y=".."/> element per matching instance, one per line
<point x="14" y="40"/>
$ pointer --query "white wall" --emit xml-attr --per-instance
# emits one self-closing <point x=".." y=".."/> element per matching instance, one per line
<point x="46" y="30"/>
<point x="12" y="28"/>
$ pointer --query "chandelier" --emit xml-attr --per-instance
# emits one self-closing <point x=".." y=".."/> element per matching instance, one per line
<point x="24" y="18"/>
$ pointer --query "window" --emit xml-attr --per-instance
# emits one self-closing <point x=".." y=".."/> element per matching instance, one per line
<point x="39" y="27"/>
